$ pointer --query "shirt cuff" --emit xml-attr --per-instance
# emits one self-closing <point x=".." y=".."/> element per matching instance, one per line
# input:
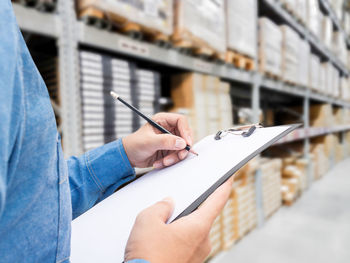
<point x="109" y="167"/>
<point x="137" y="261"/>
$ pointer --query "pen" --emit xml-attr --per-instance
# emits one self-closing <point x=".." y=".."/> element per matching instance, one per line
<point x="150" y="121"/>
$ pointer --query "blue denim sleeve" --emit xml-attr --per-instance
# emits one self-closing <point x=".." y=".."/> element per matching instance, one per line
<point x="97" y="174"/>
<point x="11" y="97"/>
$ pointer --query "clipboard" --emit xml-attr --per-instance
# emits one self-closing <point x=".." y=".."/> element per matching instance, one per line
<point x="101" y="234"/>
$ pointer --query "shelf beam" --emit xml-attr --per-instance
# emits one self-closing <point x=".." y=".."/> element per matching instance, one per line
<point x="34" y="21"/>
<point x="118" y="43"/>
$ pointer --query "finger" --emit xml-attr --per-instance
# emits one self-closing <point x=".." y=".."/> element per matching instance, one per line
<point x="161" y="210"/>
<point x="166" y="142"/>
<point x="214" y="204"/>
<point x="171" y="159"/>
<point x="178" y="122"/>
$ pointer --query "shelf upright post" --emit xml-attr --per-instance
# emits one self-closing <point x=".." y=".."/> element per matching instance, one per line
<point x="306" y="110"/>
<point x="69" y="79"/>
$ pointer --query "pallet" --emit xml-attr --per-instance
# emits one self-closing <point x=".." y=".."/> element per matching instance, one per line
<point x="289" y="82"/>
<point x="41" y="5"/>
<point x="185" y="42"/>
<point x="271" y="75"/>
<point x="239" y="60"/>
<point x="114" y="22"/>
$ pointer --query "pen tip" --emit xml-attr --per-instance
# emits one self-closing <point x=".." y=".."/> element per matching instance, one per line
<point x="195" y="153"/>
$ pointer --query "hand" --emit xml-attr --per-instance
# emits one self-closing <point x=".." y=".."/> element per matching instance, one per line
<point x="182" y="241"/>
<point x="149" y="147"/>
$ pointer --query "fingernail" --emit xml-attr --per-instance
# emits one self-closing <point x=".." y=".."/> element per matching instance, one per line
<point x="180" y="144"/>
<point x="189" y="140"/>
<point x="157" y="165"/>
<point x="168" y="161"/>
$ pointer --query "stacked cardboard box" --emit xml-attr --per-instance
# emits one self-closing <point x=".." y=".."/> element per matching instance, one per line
<point x="104" y="120"/>
<point x="303" y="65"/>
<point x="244" y="199"/>
<point x="339" y="150"/>
<point x="327" y="31"/>
<point x="201" y="24"/>
<point x="321" y="115"/>
<point x="294" y="178"/>
<point x="205" y="100"/>
<point x="215" y="237"/>
<point x="241" y="21"/>
<point x="345" y="88"/>
<point x="339" y="46"/>
<point x="314" y="71"/>
<point x="228" y="223"/>
<point x="270" y="47"/>
<point x="271" y="185"/>
<point x="150" y="15"/>
<point x="290" y="54"/>
<point x="320" y="160"/>
<point x="313" y="16"/>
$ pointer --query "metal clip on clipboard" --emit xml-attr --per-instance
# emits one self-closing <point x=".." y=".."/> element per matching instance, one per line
<point x="245" y="131"/>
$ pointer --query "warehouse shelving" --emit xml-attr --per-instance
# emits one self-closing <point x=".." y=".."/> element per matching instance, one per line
<point x="70" y="33"/>
<point x="115" y="42"/>
<point x="277" y="8"/>
<point x="302" y="133"/>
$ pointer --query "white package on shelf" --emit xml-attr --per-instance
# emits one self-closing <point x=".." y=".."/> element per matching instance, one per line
<point x="322" y="78"/>
<point x="202" y="20"/>
<point x="303" y="66"/>
<point x="152" y="14"/>
<point x="313" y="16"/>
<point x="301" y="9"/>
<point x="339" y="46"/>
<point x="270" y="47"/>
<point x="241" y="18"/>
<point x="314" y="70"/>
<point x="290" y="54"/>
<point x="327" y="31"/>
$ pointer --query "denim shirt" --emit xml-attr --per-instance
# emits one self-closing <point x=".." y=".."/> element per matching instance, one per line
<point x="40" y="192"/>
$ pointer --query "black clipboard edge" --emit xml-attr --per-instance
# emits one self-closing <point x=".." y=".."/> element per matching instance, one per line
<point x="224" y="178"/>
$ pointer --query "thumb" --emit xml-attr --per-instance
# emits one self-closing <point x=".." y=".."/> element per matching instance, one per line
<point x="167" y="142"/>
<point x="162" y="209"/>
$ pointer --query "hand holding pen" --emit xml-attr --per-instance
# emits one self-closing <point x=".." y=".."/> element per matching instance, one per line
<point x="152" y="146"/>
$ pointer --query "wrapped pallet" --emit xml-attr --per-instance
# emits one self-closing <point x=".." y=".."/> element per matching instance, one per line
<point x="301" y="10"/>
<point x="345" y="89"/>
<point x="225" y="106"/>
<point x="270" y="47"/>
<point x="313" y="16"/>
<point x="200" y="25"/>
<point x="339" y="150"/>
<point x="215" y="237"/>
<point x="322" y="78"/>
<point x="339" y="46"/>
<point x="327" y="31"/>
<point x="241" y="19"/>
<point x="271" y="185"/>
<point x="205" y="100"/>
<point x="314" y="71"/>
<point x="148" y="15"/>
<point x="243" y="197"/>
<point x="290" y="54"/>
<point x="303" y="65"/>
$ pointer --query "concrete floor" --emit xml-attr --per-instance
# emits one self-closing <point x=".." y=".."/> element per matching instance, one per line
<point x="315" y="229"/>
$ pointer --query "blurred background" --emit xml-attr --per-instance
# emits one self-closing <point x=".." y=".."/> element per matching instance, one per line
<point x="221" y="63"/>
